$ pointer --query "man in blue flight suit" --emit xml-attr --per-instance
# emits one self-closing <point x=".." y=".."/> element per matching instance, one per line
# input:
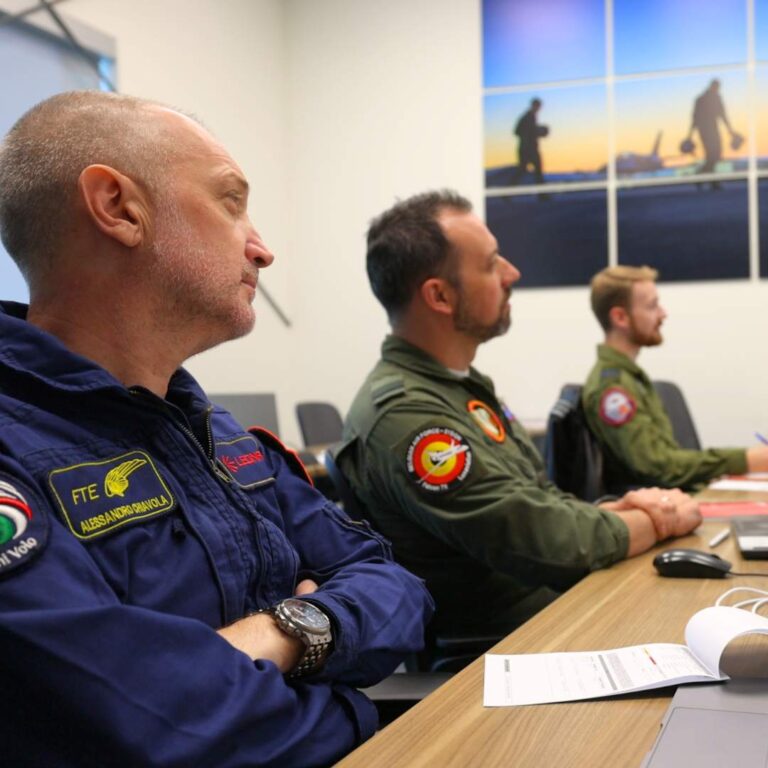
<point x="172" y="589"/>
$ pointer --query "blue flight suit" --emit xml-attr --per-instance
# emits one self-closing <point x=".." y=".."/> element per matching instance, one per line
<point x="131" y="528"/>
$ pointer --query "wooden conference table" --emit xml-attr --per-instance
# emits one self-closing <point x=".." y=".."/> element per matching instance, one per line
<point x="627" y="604"/>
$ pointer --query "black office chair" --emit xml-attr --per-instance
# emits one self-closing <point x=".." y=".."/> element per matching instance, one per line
<point x="442" y="654"/>
<point x="320" y="423"/>
<point x="251" y="410"/>
<point x="344" y="490"/>
<point x="677" y="410"/>
<point x="573" y="457"/>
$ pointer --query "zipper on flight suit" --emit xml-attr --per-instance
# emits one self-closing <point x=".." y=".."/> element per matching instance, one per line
<point x="185" y="427"/>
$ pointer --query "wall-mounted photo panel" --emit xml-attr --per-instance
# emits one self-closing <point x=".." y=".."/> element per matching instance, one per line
<point x="686" y="231"/>
<point x="761" y="30"/>
<point x="558" y="239"/>
<point x="555" y="135"/>
<point x="762" y="203"/>
<point x="656" y="35"/>
<point x="680" y="126"/>
<point x="529" y="41"/>
<point x="761" y="117"/>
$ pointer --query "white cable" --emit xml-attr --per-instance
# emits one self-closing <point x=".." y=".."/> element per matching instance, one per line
<point x="755" y="602"/>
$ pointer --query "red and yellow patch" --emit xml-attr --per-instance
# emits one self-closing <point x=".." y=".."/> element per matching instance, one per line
<point x="487" y="420"/>
<point x="438" y="459"/>
<point x="617" y="407"/>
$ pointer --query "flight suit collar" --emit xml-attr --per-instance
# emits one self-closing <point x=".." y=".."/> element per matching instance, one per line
<point x="30" y="351"/>
<point x="612" y="358"/>
<point x="400" y="352"/>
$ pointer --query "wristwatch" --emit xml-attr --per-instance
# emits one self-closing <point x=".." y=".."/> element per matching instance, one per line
<point x="306" y="621"/>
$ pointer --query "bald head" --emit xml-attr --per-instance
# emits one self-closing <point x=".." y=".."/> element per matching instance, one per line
<point x="45" y="152"/>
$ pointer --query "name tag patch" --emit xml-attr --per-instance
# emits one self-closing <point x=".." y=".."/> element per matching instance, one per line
<point x="97" y="497"/>
<point x="243" y="459"/>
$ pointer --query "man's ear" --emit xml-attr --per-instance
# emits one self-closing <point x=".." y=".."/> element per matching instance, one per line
<point x="115" y="204"/>
<point x="619" y="318"/>
<point x="439" y="295"/>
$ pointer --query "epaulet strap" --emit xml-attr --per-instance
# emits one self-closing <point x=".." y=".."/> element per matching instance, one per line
<point x="609" y="373"/>
<point x="275" y="443"/>
<point x="386" y="388"/>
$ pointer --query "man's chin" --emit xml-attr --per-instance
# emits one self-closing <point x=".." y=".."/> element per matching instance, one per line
<point x="653" y="341"/>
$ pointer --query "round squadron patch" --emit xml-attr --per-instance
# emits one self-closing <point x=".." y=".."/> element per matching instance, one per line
<point x="438" y="459"/>
<point x="23" y="533"/>
<point x="488" y="421"/>
<point x="617" y="407"/>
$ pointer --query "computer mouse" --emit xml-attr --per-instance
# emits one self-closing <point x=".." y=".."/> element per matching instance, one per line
<point x="691" y="564"/>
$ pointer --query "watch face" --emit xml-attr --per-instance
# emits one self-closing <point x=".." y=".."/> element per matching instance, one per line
<point x="306" y="615"/>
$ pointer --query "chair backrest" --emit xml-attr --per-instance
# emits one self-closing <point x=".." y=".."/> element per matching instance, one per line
<point x="573" y="457"/>
<point x="251" y="410"/>
<point x="343" y="489"/>
<point x="320" y="423"/>
<point x="677" y="410"/>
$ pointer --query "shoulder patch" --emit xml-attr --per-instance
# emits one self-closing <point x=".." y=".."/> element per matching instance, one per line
<point x="23" y="527"/>
<point x="485" y="417"/>
<point x="276" y="444"/>
<point x="617" y="407"/>
<point x="99" y="497"/>
<point x="609" y="373"/>
<point x="438" y="459"/>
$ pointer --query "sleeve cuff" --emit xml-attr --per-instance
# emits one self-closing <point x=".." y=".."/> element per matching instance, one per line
<point x="361" y="710"/>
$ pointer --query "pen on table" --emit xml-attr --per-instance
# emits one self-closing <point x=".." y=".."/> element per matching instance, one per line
<point x="761" y="438"/>
<point x="719" y="538"/>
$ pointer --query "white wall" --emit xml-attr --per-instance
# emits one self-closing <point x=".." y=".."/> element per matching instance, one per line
<point x="336" y="107"/>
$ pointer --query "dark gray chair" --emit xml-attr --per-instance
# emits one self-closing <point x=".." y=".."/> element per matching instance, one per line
<point x="320" y="423"/>
<point x="572" y="455"/>
<point x="259" y="410"/>
<point x="677" y="410"/>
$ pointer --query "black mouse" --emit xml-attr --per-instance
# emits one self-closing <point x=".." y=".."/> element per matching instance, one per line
<point x="691" y="564"/>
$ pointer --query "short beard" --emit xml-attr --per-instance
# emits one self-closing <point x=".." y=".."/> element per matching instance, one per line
<point x="187" y="271"/>
<point x="464" y="322"/>
<point x="645" y="339"/>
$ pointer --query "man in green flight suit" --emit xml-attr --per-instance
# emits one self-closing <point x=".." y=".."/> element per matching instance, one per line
<point x="443" y="470"/>
<point x="623" y="410"/>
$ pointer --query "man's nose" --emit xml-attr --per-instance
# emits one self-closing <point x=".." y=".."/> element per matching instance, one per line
<point x="256" y="251"/>
<point x="511" y="273"/>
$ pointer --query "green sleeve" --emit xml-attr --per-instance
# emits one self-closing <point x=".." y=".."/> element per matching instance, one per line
<point x="646" y="448"/>
<point x="502" y="513"/>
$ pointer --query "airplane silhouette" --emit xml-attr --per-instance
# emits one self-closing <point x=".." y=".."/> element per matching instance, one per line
<point x="628" y="163"/>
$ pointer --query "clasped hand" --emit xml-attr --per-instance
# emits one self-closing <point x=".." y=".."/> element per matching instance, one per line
<point x="673" y="512"/>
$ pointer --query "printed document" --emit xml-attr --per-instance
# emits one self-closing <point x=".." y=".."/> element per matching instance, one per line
<point x="542" y="678"/>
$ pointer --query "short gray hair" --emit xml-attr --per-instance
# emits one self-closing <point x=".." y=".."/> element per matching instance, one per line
<point x="45" y="152"/>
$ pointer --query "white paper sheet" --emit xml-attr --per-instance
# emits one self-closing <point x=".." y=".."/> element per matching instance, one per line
<point x="541" y="678"/>
<point x="757" y="481"/>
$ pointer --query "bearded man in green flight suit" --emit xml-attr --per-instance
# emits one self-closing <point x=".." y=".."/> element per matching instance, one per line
<point x="442" y="468"/>
<point x="622" y="408"/>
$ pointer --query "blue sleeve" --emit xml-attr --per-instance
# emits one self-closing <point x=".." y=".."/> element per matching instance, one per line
<point x="380" y="609"/>
<point x="89" y="681"/>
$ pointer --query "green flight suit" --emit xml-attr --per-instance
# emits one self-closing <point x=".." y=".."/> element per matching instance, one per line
<point x="635" y="433"/>
<point x="464" y="499"/>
